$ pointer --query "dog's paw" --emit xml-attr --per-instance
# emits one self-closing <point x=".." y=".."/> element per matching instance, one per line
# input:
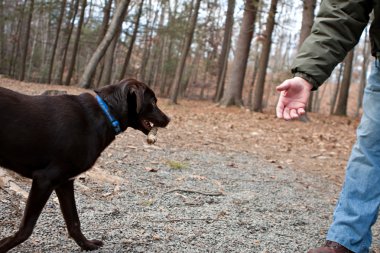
<point x="91" y="245"/>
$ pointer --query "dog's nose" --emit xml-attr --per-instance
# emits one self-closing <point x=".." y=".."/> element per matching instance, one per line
<point x="166" y="120"/>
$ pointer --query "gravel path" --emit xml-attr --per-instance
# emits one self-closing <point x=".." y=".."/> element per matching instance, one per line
<point x="197" y="201"/>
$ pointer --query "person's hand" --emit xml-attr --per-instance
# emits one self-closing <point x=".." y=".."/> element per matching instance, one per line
<point x="293" y="99"/>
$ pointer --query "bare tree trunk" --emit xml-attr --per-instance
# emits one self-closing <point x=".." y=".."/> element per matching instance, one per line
<point x="263" y="65"/>
<point x="101" y="49"/>
<point x="54" y="49"/>
<point x="363" y="74"/>
<point x="233" y="91"/>
<point x="90" y="13"/>
<point x="76" y="43"/>
<point x="223" y="59"/>
<point x="68" y="30"/>
<point x="157" y="49"/>
<point x="341" y="108"/>
<point x="33" y="47"/>
<point x="46" y="48"/>
<point x="167" y="73"/>
<point x="334" y="95"/>
<point x="132" y="42"/>
<point x="109" y="58"/>
<point x="254" y="75"/>
<point x="169" y="79"/>
<point x="186" y="48"/>
<point x="106" y="17"/>
<point x="105" y="21"/>
<point x="221" y="84"/>
<point x="26" y="41"/>
<point x="307" y="23"/>
<point x="157" y="63"/>
<point x="205" y="80"/>
<point x="16" y="44"/>
<point x="165" y="55"/>
<point x="307" y="19"/>
<point x="108" y="61"/>
<point x="194" y="72"/>
<point x="147" y="49"/>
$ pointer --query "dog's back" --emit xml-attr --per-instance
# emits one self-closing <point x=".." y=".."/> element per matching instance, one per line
<point x="35" y="130"/>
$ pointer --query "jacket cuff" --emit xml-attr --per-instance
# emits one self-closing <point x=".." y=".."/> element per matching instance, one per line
<point x="308" y="78"/>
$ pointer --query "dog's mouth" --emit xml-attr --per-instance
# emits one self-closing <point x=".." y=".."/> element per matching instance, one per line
<point x="147" y="124"/>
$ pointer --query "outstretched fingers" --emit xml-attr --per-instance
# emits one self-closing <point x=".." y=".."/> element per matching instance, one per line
<point x="287" y="113"/>
<point x="301" y="111"/>
<point x="280" y="110"/>
<point x="293" y="113"/>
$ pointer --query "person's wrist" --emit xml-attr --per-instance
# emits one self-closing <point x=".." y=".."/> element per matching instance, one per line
<point x="305" y="83"/>
<point x="307" y="79"/>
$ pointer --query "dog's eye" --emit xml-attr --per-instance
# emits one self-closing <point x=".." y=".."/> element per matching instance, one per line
<point x="154" y="103"/>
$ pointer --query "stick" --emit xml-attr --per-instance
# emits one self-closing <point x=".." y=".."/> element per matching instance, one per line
<point x="152" y="136"/>
<point x="198" y="192"/>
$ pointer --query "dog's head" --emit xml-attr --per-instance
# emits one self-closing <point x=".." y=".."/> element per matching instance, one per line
<point x="134" y="105"/>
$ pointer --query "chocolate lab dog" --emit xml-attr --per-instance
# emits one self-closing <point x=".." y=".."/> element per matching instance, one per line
<point x="53" y="139"/>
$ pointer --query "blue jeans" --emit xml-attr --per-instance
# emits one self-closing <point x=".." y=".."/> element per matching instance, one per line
<point x="358" y="205"/>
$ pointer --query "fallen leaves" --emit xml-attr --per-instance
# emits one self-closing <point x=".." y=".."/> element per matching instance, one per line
<point x="7" y="183"/>
<point x="149" y="169"/>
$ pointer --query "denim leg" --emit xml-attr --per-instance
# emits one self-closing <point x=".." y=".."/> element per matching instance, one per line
<point x="358" y="205"/>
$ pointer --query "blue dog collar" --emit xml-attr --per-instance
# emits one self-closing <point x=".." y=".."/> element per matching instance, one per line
<point x="114" y="122"/>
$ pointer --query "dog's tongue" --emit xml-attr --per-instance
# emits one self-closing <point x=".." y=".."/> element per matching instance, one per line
<point x="152" y="136"/>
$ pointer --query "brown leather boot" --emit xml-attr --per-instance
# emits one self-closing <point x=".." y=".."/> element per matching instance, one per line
<point x="331" y="247"/>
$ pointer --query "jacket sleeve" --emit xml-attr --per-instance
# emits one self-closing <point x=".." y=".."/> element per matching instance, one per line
<point x="336" y="30"/>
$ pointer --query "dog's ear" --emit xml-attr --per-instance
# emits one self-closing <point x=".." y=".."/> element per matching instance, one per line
<point x="138" y="92"/>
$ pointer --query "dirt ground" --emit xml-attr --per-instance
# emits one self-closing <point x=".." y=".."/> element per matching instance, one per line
<point x="316" y="149"/>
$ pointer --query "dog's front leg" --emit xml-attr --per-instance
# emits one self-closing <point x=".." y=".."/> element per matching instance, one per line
<point x="65" y="193"/>
<point x="39" y="194"/>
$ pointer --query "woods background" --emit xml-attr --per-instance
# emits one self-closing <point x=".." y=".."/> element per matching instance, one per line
<point x="233" y="52"/>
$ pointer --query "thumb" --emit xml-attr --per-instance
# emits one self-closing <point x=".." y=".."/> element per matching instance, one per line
<point x="284" y="86"/>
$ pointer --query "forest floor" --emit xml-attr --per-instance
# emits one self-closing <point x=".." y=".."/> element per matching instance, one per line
<point x="218" y="180"/>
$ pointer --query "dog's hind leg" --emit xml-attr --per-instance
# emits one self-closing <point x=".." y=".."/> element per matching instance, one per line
<point x="39" y="194"/>
<point x="65" y="193"/>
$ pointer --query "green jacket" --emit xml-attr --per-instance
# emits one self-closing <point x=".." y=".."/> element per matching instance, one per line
<point x="336" y="30"/>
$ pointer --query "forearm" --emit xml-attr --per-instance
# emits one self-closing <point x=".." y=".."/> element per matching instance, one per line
<point x="336" y="31"/>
